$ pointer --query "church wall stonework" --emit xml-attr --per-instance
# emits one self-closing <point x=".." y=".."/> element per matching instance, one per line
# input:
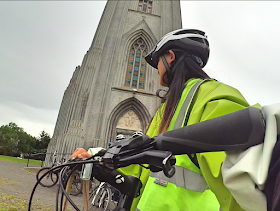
<point x="96" y="97"/>
<point x="136" y="17"/>
<point x="119" y="95"/>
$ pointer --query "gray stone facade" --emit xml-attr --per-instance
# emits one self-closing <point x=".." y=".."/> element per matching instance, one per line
<point x="96" y="97"/>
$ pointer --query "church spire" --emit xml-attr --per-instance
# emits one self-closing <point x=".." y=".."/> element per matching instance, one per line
<point x="114" y="84"/>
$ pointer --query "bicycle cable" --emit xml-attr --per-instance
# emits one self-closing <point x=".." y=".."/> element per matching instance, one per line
<point x="64" y="184"/>
<point x="80" y="162"/>
<point x="57" y="194"/>
<point x="59" y="187"/>
<point x="35" y="186"/>
<point x="64" y="193"/>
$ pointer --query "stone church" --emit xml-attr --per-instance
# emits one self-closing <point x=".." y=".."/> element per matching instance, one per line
<point x="113" y="90"/>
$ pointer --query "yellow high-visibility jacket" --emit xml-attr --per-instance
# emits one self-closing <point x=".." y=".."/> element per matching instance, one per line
<point x="191" y="188"/>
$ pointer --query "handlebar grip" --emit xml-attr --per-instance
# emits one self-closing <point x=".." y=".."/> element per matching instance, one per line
<point x="235" y="131"/>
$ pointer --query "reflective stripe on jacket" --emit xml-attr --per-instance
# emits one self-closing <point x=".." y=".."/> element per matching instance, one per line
<point x="184" y="178"/>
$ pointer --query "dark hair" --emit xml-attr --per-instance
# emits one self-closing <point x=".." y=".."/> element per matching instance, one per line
<point x="186" y="70"/>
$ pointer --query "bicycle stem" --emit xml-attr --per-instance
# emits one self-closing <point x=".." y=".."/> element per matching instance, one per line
<point x="128" y="185"/>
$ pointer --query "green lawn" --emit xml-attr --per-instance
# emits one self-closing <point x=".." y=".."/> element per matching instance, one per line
<point x="16" y="160"/>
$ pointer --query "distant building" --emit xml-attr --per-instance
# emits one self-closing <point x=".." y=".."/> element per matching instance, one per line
<point x="113" y="91"/>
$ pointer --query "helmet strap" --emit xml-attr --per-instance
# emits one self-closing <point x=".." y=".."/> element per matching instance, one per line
<point x="165" y="64"/>
<point x="177" y="63"/>
<point x="170" y="72"/>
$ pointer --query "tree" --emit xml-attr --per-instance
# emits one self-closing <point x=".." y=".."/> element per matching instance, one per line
<point x="8" y="140"/>
<point x="26" y="144"/>
<point x="14" y="140"/>
<point x="43" y="141"/>
<point x="15" y="128"/>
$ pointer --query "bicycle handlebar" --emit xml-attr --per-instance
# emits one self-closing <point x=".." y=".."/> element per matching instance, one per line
<point x="236" y="131"/>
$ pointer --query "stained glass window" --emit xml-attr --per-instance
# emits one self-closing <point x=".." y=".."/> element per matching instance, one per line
<point x="136" y="66"/>
<point x="145" y="6"/>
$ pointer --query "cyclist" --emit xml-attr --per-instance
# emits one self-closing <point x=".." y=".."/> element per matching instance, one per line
<point x="120" y="137"/>
<point x="197" y="185"/>
<point x="136" y="134"/>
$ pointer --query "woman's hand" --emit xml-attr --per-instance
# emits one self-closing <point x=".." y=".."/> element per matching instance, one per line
<point x="80" y="153"/>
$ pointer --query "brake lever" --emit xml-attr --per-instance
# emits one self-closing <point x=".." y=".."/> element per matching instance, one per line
<point x="139" y="150"/>
<point x="158" y="161"/>
<point x="168" y="168"/>
<point x="125" y="149"/>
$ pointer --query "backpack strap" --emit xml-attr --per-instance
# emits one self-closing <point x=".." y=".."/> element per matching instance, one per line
<point x="187" y="105"/>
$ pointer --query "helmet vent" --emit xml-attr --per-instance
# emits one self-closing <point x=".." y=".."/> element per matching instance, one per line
<point x="203" y="41"/>
<point x="196" y="39"/>
<point x="190" y="31"/>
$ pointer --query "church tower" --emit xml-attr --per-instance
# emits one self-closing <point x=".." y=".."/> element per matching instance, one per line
<point x="113" y="90"/>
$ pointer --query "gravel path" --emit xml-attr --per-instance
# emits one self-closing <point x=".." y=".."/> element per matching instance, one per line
<point x="18" y="180"/>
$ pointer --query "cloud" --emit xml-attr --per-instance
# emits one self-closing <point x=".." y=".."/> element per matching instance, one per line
<point x="32" y="119"/>
<point x="243" y="42"/>
<point x="42" y="43"/>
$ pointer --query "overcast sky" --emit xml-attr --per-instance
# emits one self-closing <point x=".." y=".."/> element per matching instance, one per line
<point x="41" y="43"/>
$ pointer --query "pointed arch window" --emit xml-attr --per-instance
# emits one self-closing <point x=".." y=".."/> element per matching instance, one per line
<point x="136" y="67"/>
<point x="145" y="6"/>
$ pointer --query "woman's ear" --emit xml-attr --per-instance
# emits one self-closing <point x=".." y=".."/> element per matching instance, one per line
<point x="171" y="57"/>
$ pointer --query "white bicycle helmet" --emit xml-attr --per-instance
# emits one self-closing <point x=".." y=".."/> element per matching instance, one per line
<point x="191" y="42"/>
<point x="120" y="137"/>
<point x="136" y="134"/>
